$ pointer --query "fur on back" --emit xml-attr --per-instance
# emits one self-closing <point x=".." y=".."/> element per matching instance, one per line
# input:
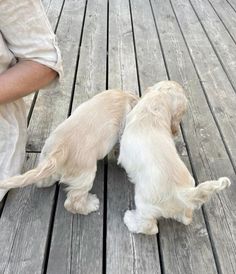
<point x="85" y="137"/>
<point x="91" y="132"/>
<point x="163" y="184"/>
<point x="147" y="148"/>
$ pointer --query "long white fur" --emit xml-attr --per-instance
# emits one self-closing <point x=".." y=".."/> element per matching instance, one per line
<point x="71" y="152"/>
<point x="163" y="185"/>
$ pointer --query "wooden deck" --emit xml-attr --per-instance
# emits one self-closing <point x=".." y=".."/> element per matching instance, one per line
<point x="131" y="44"/>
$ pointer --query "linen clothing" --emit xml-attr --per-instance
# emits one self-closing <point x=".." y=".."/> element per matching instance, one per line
<point x="25" y="34"/>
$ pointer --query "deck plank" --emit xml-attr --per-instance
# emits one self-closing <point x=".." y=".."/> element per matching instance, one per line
<point x="25" y="217"/>
<point x="81" y="251"/>
<point x="24" y="227"/>
<point x="53" y="10"/>
<point x="207" y="152"/>
<point x="122" y="67"/>
<point x="232" y="3"/>
<point x="52" y="105"/>
<point x="91" y="75"/>
<point x="126" y="253"/>
<point x="149" y="56"/>
<point x="227" y="15"/>
<point x="183" y="249"/>
<point x="76" y="245"/>
<point x="214" y="80"/>
<point x="197" y="41"/>
<point x="218" y="36"/>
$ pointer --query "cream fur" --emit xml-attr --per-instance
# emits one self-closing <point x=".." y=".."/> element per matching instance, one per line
<point x="163" y="185"/>
<point x="71" y="152"/>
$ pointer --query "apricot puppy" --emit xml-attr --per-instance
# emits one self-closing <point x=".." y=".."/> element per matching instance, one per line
<point x="71" y="152"/>
<point x="163" y="185"/>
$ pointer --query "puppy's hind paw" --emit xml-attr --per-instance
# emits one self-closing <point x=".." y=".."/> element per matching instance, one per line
<point x="130" y="221"/>
<point x="186" y="220"/>
<point x="139" y="225"/>
<point x="92" y="203"/>
<point x="82" y="206"/>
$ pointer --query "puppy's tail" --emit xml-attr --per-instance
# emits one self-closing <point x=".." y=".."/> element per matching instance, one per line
<point x="194" y="197"/>
<point x="46" y="168"/>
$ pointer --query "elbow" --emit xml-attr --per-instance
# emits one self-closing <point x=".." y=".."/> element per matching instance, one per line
<point x="51" y="75"/>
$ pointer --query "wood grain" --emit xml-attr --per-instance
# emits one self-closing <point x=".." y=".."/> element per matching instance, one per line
<point x="77" y="241"/>
<point x="183" y="249"/>
<point x="24" y="226"/>
<point x="53" y="103"/>
<point x="126" y="253"/>
<point x="132" y="44"/>
<point x="207" y="151"/>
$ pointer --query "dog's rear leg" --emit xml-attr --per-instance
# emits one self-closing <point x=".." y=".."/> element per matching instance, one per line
<point x="195" y="197"/>
<point x="79" y="200"/>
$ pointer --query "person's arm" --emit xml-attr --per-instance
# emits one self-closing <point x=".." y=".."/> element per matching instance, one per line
<point x="27" y="34"/>
<point x="24" y="78"/>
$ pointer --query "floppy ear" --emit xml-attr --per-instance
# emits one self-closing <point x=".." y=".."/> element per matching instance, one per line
<point x="179" y="108"/>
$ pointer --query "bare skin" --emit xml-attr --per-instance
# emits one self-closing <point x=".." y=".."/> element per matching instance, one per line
<point x="22" y="79"/>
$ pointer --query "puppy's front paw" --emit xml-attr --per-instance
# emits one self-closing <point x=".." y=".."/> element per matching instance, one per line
<point x="69" y="206"/>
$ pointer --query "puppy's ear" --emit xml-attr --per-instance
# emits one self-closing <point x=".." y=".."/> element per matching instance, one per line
<point x="179" y="107"/>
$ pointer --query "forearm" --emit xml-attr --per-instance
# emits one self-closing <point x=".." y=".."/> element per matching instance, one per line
<point x="22" y="79"/>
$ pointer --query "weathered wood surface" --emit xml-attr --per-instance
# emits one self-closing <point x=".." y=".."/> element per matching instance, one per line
<point x="148" y="48"/>
<point x="226" y="14"/>
<point x="125" y="253"/>
<point x="221" y="41"/>
<point x="77" y="241"/>
<point x="53" y="104"/>
<point x="132" y="44"/>
<point x="122" y="66"/>
<point x="217" y="86"/>
<point x="91" y="74"/>
<point x="53" y="10"/>
<point x="24" y="226"/>
<point x="26" y="219"/>
<point x="174" y="238"/>
<point x="232" y="3"/>
<point x="207" y="152"/>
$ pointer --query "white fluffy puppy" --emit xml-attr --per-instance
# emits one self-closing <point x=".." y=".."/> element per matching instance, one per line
<point x="71" y="152"/>
<point x="163" y="185"/>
